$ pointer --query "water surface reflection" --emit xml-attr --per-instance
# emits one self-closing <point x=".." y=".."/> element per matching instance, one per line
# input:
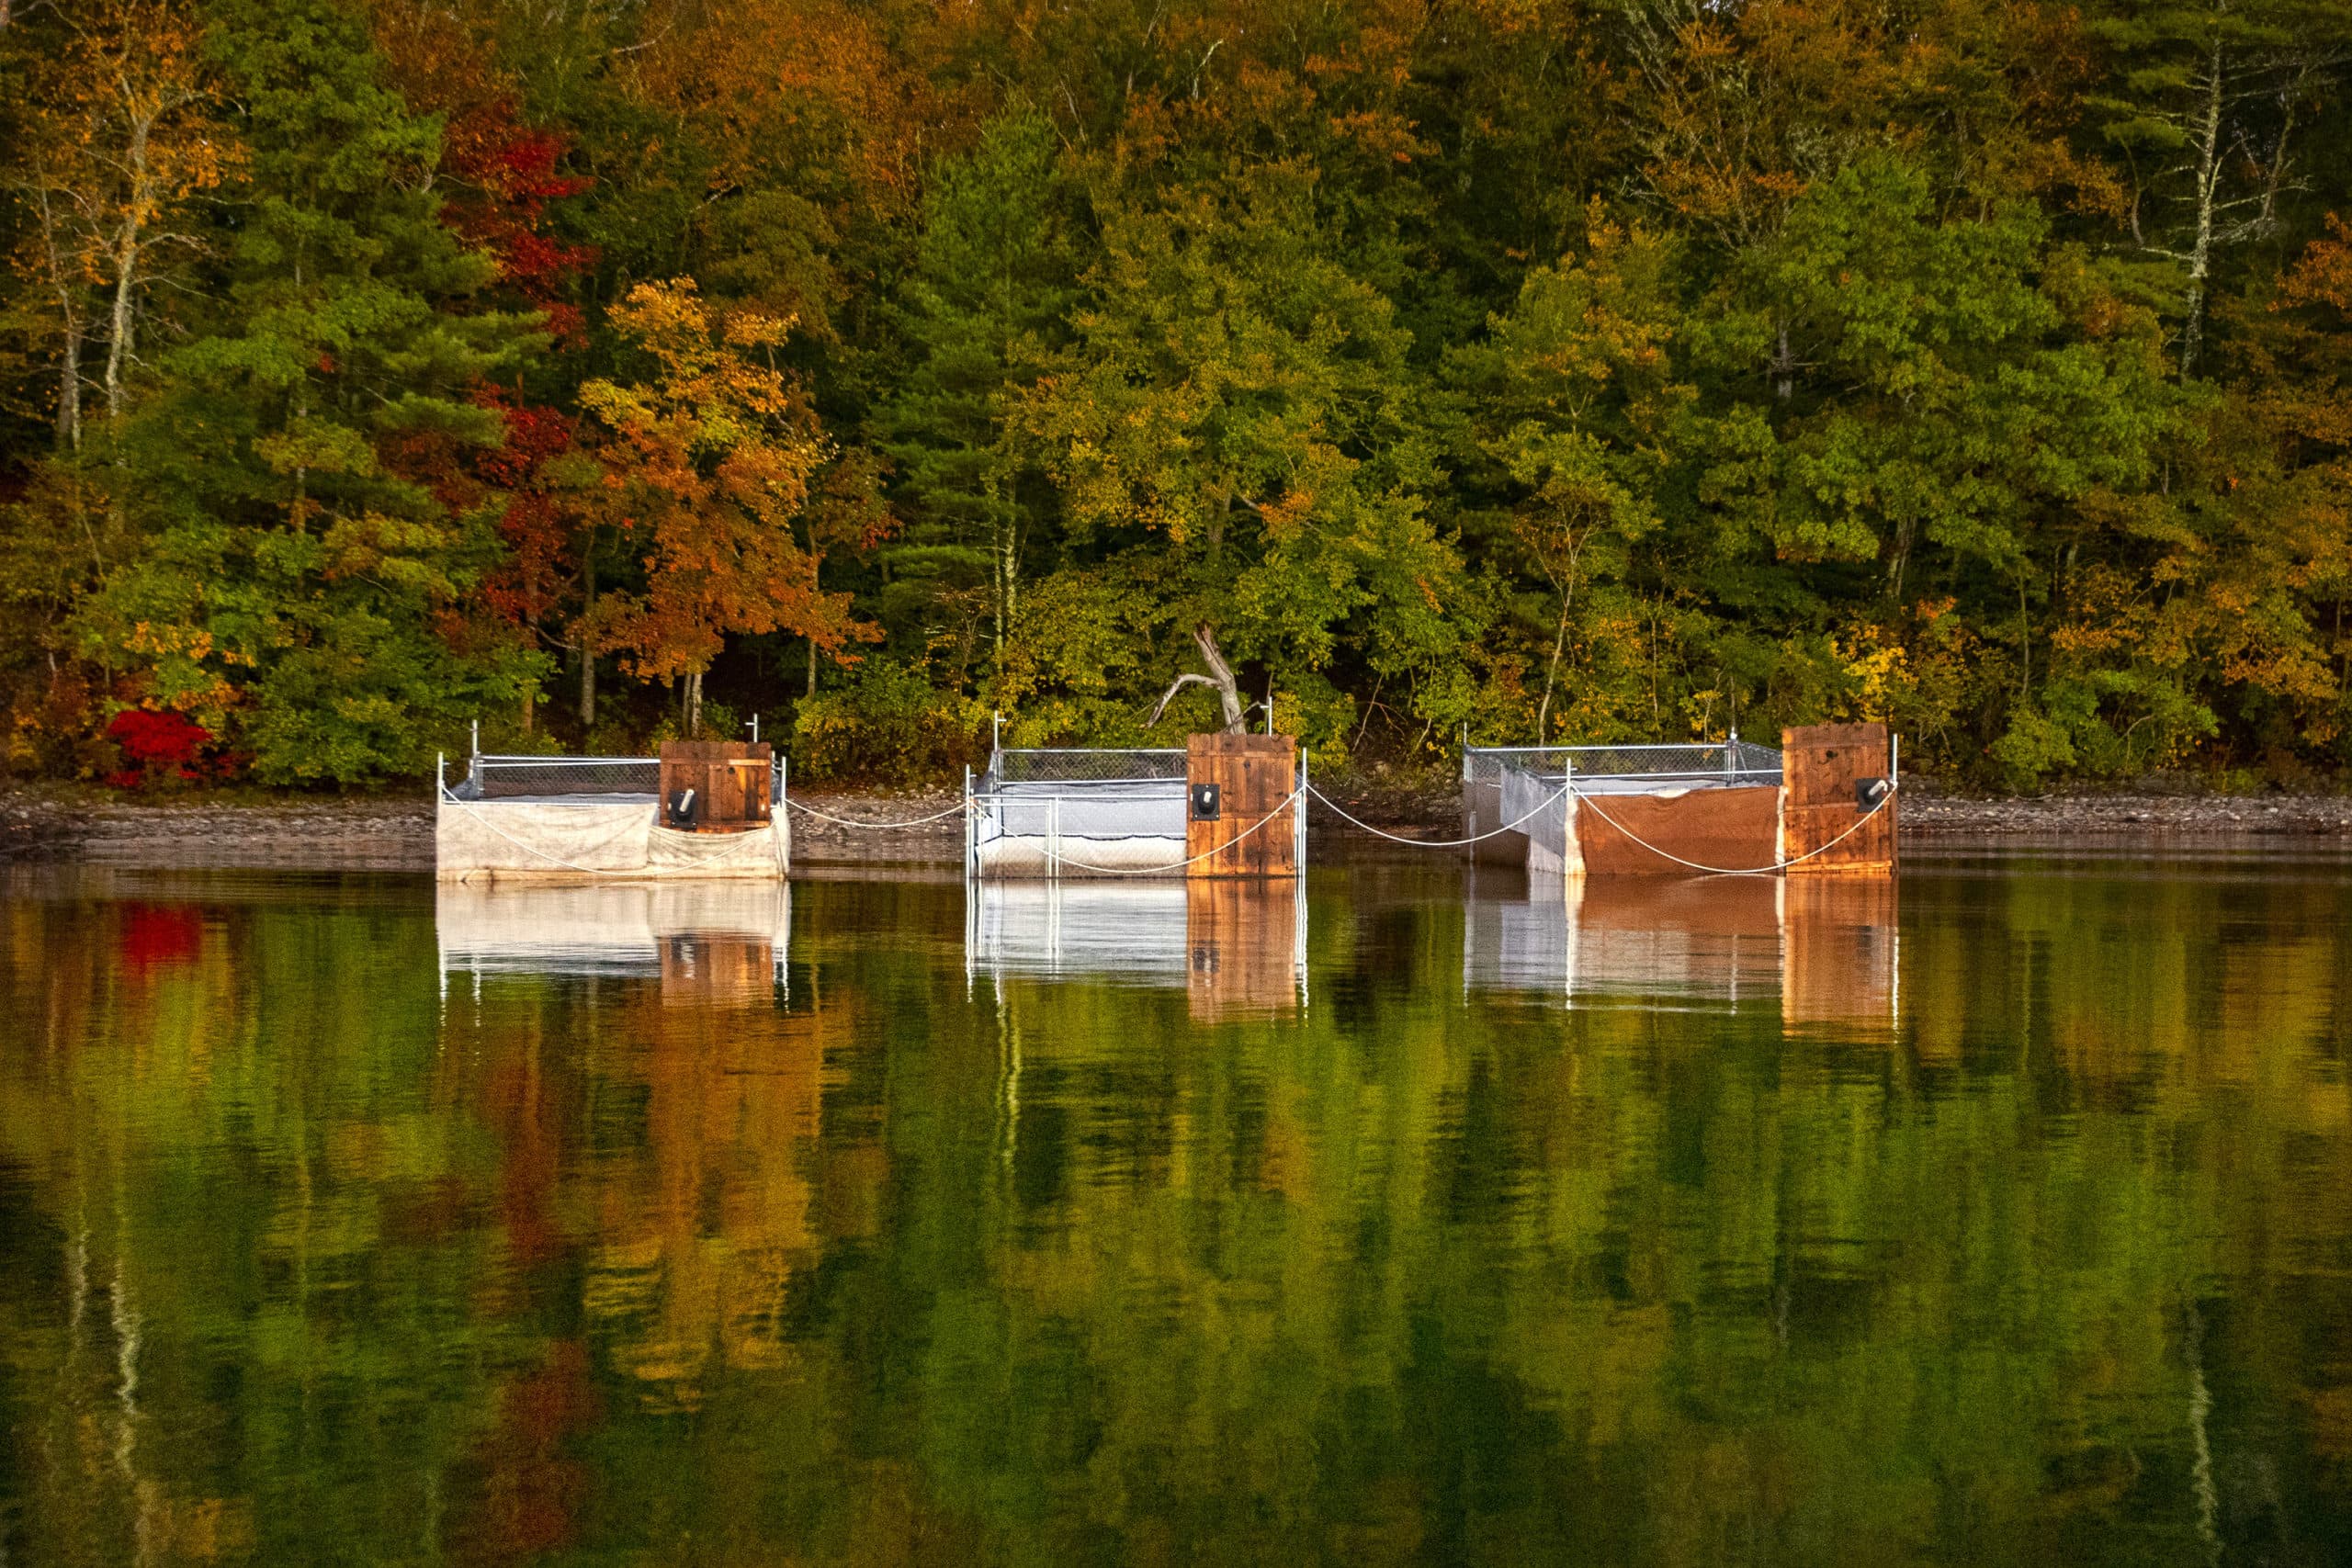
<point x="2003" y="1216"/>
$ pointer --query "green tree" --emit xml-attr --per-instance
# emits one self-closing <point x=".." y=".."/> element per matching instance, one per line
<point x="1237" y="428"/>
<point x="982" y="311"/>
<point x="306" y="557"/>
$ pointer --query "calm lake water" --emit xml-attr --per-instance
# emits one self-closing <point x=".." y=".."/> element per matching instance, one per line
<point x="2002" y="1216"/>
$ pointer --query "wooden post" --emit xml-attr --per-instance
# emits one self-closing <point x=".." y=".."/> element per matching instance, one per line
<point x="730" y="781"/>
<point x="1254" y="775"/>
<point x="1823" y="769"/>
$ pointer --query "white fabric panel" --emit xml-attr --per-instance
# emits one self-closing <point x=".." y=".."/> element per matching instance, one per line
<point x="510" y="839"/>
<point x="1120" y="825"/>
<point x="1547" y="827"/>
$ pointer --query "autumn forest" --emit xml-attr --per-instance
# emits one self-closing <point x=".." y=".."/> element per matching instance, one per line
<point x="606" y="370"/>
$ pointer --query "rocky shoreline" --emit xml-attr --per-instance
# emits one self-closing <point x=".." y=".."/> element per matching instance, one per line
<point x="396" y="835"/>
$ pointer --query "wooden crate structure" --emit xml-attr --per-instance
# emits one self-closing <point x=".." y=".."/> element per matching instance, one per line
<point x="1253" y="775"/>
<point x="1822" y="766"/>
<point x="731" y="780"/>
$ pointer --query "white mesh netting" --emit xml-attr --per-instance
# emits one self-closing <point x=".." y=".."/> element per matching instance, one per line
<point x="514" y="839"/>
<point x="1069" y="813"/>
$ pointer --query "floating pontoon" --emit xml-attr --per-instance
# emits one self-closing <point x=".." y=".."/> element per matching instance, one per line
<point x="1823" y="803"/>
<point x="1224" y="806"/>
<point x="699" y="810"/>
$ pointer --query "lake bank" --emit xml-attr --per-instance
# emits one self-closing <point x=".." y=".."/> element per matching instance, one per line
<point x="304" y="833"/>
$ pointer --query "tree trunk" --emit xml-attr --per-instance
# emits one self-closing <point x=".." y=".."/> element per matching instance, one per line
<point x="812" y="666"/>
<point x="2209" y="181"/>
<point x="1551" y="676"/>
<point x="1228" y="692"/>
<point x="693" y="705"/>
<point x="69" y="389"/>
<point x="126" y="250"/>
<point x="587" y="637"/>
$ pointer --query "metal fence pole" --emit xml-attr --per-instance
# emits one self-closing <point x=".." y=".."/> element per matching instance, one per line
<point x="1298" y="819"/>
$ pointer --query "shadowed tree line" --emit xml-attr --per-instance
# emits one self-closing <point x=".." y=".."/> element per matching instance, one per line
<point x="1572" y="369"/>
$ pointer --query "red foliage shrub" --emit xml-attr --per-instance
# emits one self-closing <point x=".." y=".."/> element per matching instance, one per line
<point x="158" y="745"/>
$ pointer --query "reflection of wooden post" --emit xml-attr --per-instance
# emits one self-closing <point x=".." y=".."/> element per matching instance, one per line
<point x="1254" y="775"/>
<point x="1820" y="767"/>
<point x="1840" y="937"/>
<point x="698" y="971"/>
<point x="1241" y="944"/>
<point x="729" y="779"/>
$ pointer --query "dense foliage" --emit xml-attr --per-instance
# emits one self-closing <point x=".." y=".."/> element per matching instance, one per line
<point x="1581" y="370"/>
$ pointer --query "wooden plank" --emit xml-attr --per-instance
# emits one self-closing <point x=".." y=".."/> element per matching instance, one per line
<point x="1728" y="829"/>
<point x="1254" y="776"/>
<point x="729" y="778"/>
<point x="1820" y="765"/>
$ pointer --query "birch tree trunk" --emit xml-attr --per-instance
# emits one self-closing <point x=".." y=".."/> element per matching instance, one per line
<point x="2208" y="180"/>
<point x="139" y="204"/>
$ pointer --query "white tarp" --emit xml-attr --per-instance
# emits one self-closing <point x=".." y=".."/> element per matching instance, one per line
<point x="1540" y="804"/>
<point x="1071" y="826"/>
<point x="507" y="839"/>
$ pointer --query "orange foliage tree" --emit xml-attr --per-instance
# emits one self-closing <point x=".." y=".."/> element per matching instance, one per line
<point x="709" y="468"/>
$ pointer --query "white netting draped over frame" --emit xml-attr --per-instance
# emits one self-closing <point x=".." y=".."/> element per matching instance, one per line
<point x="1054" y="812"/>
<point x="584" y="816"/>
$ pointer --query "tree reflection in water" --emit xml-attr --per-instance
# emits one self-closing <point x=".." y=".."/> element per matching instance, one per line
<point x="1687" y="1222"/>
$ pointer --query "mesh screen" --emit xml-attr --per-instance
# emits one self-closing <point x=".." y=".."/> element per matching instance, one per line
<point x="1082" y="767"/>
<point x="1741" y="760"/>
<point x="544" y="778"/>
<point x="1106" y="809"/>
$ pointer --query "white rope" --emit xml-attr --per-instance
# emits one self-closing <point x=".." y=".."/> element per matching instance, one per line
<point x="957" y="810"/>
<point x="1441" y="844"/>
<point x="467" y="806"/>
<point x="1060" y="858"/>
<point x="1883" y="802"/>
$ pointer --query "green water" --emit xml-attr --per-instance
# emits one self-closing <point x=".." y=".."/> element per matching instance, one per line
<point x="2004" y="1218"/>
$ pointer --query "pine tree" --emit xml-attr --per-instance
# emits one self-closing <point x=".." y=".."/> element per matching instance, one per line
<point x="308" y="550"/>
<point x="992" y="287"/>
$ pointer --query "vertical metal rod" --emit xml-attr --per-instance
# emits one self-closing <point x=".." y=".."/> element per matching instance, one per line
<point x="477" y="738"/>
<point x="1298" y="818"/>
